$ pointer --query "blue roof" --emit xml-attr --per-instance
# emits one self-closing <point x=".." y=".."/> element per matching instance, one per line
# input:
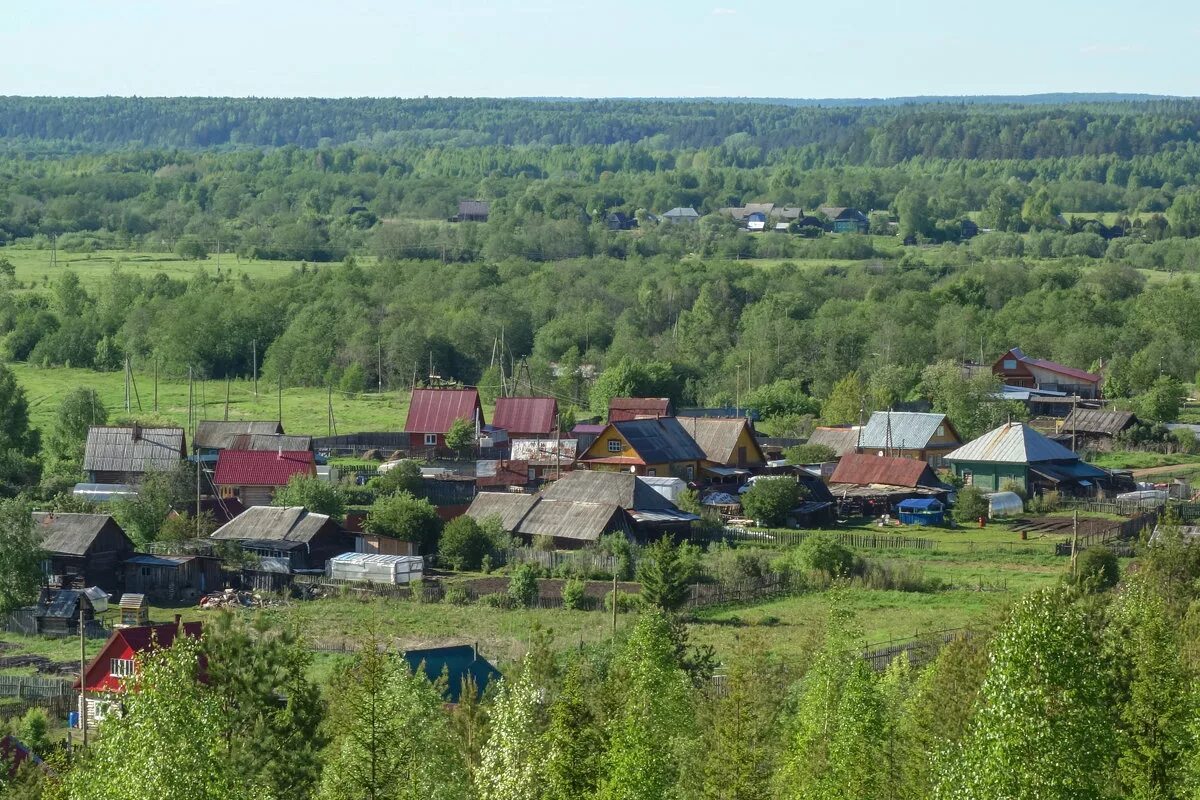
<point x="456" y="663"/>
<point x="920" y="504"/>
<point x="662" y="440"/>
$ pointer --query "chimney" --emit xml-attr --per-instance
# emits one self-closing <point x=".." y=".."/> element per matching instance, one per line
<point x="279" y="453"/>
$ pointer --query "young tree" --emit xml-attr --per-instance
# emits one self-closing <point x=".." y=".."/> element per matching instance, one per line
<point x="574" y="743"/>
<point x="523" y="585"/>
<point x="770" y="500"/>
<point x="403" y="477"/>
<point x="970" y="403"/>
<point x="391" y="738"/>
<point x="464" y="544"/>
<point x="654" y="721"/>
<point x="1161" y="403"/>
<point x="970" y="505"/>
<point x="846" y="403"/>
<point x="1045" y="725"/>
<point x="512" y="761"/>
<point x="314" y="494"/>
<point x="664" y="576"/>
<point x="20" y="556"/>
<point x="461" y="435"/>
<point x="79" y="410"/>
<point x="405" y="517"/>
<point x="168" y="711"/>
<point x="143" y="517"/>
<point x="809" y="454"/>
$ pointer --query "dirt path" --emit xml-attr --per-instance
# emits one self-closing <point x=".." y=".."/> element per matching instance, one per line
<point x="1140" y="473"/>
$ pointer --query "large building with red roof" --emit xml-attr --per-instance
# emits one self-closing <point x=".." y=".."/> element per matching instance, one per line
<point x="1017" y="369"/>
<point x="432" y="412"/>
<point x="253" y="476"/>
<point x="526" y="417"/>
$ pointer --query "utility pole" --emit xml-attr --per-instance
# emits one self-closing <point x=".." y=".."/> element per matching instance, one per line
<point x="156" y="385"/>
<point x="614" y="602"/>
<point x="191" y="400"/>
<point x="126" y="384"/>
<point x="83" y="709"/>
<point x="254" y="361"/>
<point x="329" y="412"/>
<point x="379" y="364"/>
<point x="199" y="467"/>
<point x="227" y="398"/>
<point x="1075" y="545"/>
<point x="281" y="398"/>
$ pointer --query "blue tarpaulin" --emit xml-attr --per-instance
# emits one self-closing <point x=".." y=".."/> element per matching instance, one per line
<point x="921" y="511"/>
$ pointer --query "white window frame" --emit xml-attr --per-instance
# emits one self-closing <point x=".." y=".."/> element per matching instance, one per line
<point x="431" y="440"/>
<point x="122" y="667"/>
<point x="614" y="446"/>
<point x="691" y="473"/>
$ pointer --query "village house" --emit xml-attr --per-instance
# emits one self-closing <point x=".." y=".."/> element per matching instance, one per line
<point x="841" y="439"/>
<point x="472" y="211"/>
<point x="620" y="221"/>
<point x="1016" y="453"/>
<point x="526" y="417"/>
<point x="301" y="539"/>
<point x="104" y="678"/>
<point x="214" y="435"/>
<point x="730" y="450"/>
<point x="845" y="220"/>
<point x="254" y="476"/>
<point x="82" y="549"/>
<point x="123" y="455"/>
<point x="431" y="412"/>
<point x="681" y="216"/>
<point x="1095" y="428"/>
<point x="1015" y="368"/>
<point x="908" y="434"/>
<point x="546" y="459"/>
<point x="870" y="485"/>
<point x="657" y="447"/>
<point x="621" y="409"/>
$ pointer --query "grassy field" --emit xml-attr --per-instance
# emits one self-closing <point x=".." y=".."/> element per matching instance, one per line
<point x="1137" y="460"/>
<point x="304" y="409"/>
<point x="34" y="269"/>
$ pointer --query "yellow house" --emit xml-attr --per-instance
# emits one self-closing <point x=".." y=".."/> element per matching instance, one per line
<point x="650" y="447"/>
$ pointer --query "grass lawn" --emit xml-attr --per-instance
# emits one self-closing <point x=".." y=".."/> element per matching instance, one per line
<point x="1120" y="459"/>
<point x="34" y="269"/>
<point x="304" y="409"/>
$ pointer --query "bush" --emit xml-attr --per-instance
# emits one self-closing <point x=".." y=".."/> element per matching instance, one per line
<point x="523" y="585"/>
<point x="825" y="554"/>
<point x="464" y="544"/>
<point x="456" y="595"/>
<point x="574" y="593"/>
<point x="970" y="505"/>
<point x="771" y="499"/>
<point x="1098" y="568"/>
<point x="497" y="601"/>
<point x="626" y="602"/>
<point x="809" y="454"/>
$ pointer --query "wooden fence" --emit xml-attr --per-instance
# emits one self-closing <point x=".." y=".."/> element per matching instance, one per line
<point x="24" y="621"/>
<point x="1132" y="509"/>
<point x="859" y="541"/>
<point x="1116" y="538"/>
<point x="24" y="687"/>
<point x="920" y="648"/>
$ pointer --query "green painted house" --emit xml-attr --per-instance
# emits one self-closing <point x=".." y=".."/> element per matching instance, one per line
<point x="1017" y="453"/>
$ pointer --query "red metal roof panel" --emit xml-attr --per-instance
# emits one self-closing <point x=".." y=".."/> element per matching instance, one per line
<point x="435" y="410"/>
<point x="262" y="467"/>
<point x="865" y="470"/>
<point x="526" y="415"/>
<point x="623" y="409"/>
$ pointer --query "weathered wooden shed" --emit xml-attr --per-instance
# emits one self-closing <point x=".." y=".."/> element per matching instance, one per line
<point x="83" y="549"/>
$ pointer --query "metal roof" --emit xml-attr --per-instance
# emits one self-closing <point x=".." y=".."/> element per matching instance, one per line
<point x="270" y="441"/>
<point x="867" y="470"/>
<point x="217" y="434"/>
<point x="659" y="441"/>
<point x="678" y="211"/>
<point x="626" y="408"/>
<point x="571" y="519"/>
<point x="718" y="437"/>
<point x="903" y="430"/>
<point x="1054" y="366"/>
<point x="261" y="467"/>
<point x="618" y="488"/>
<point x="133" y="449"/>
<point x="526" y="415"/>
<point x="511" y="508"/>
<point x="271" y="523"/>
<point x="435" y="410"/>
<point x="71" y="534"/>
<point x="1012" y="443"/>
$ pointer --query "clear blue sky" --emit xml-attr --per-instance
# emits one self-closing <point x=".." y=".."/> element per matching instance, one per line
<point x="619" y="48"/>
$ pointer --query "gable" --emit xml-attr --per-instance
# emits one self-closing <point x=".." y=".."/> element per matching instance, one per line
<point x="435" y="410"/>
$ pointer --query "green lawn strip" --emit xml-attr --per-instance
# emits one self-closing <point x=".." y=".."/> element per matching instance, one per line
<point x="1120" y="459"/>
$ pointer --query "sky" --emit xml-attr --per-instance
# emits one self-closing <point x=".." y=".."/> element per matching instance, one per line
<point x="618" y="48"/>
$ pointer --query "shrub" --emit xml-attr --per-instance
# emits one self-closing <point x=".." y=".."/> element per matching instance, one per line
<point x="456" y="595"/>
<point x="825" y="554"/>
<point x="1016" y="488"/>
<point x="1098" y="569"/>
<point x="970" y="505"/>
<point x="497" y="601"/>
<point x="626" y="602"/>
<point x="574" y="593"/>
<point x="523" y="585"/>
<point x="464" y="544"/>
<point x="809" y="454"/>
<point x="770" y="499"/>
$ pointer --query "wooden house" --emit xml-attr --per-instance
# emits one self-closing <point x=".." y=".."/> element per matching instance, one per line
<point x="172" y="578"/>
<point x="658" y="447"/>
<point x="254" y="476"/>
<point x="1016" y="453"/>
<point x="908" y="434"/>
<point x="431" y="412"/>
<point x="1015" y="368"/>
<point x="871" y="485"/>
<point x="621" y="409"/>
<point x="126" y="454"/>
<point x="215" y="435"/>
<point x="82" y="549"/>
<point x="840" y="439"/>
<point x="620" y="221"/>
<point x="1095" y="428"/>
<point x="104" y="679"/>
<point x="526" y="417"/>
<point x="472" y="211"/>
<point x="300" y="538"/>
<point x="681" y="216"/>
<point x="730" y="449"/>
<point x="845" y="220"/>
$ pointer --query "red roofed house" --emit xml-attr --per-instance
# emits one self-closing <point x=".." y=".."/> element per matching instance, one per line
<point x="526" y="417"/>
<point x="868" y="470"/>
<point x="253" y="476"/>
<point x="433" y="411"/>
<point x="1017" y="369"/>
<point x="117" y="661"/>
<point x="623" y="409"/>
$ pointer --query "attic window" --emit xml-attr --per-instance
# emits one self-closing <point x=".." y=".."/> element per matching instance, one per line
<point x="614" y="445"/>
<point x="941" y="431"/>
<point x="1010" y="363"/>
<point x="121" y="667"/>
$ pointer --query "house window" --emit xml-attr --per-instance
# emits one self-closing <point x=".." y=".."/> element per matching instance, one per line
<point x="968" y="478"/>
<point x="652" y="473"/>
<point x="614" y="445"/>
<point x="121" y="667"/>
<point x="431" y="440"/>
<point x="1010" y="363"/>
<point x="941" y="430"/>
<point x="691" y="473"/>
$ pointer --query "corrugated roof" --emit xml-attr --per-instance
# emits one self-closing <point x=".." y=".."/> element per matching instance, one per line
<point x="511" y="508"/>
<point x="1054" y="366"/>
<point x="659" y="441"/>
<point x="718" y="436"/>
<point x="909" y="430"/>
<point x="473" y="208"/>
<point x="618" y="488"/>
<point x="270" y="441"/>
<point x="1097" y="421"/>
<point x="530" y="416"/>
<point x="133" y="449"/>
<point x="501" y="473"/>
<point x="216" y="434"/>
<point x="867" y="470"/>
<point x="1012" y="443"/>
<point x="262" y="467"/>
<point x="435" y="410"/>
<point x="840" y="440"/>
<point x="626" y="408"/>
<point x="70" y="534"/>
<point x="271" y="523"/>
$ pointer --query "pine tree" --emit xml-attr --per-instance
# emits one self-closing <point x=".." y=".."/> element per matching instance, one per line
<point x="574" y="742"/>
